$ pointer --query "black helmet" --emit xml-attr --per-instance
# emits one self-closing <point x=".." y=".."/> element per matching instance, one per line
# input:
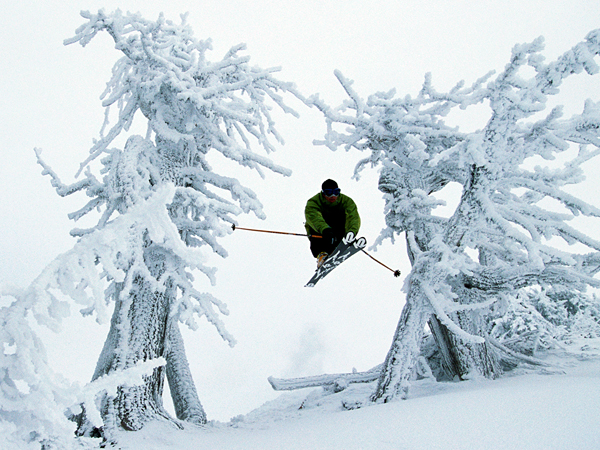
<point x="329" y="184"/>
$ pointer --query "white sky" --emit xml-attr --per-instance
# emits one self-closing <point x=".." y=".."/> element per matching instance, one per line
<point x="50" y="93"/>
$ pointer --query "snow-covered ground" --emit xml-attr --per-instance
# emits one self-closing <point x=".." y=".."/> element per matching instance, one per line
<point x="557" y="407"/>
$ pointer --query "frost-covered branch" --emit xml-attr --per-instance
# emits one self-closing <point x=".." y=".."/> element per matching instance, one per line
<point x="165" y="71"/>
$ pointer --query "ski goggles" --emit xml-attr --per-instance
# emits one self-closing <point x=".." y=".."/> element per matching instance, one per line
<point x="331" y="192"/>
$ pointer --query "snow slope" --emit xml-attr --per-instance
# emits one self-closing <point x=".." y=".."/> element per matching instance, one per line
<point x="543" y="409"/>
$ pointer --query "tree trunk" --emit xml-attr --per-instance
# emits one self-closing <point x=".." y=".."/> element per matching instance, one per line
<point x="183" y="390"/>
<point x="423" y="233"/>
<point x="441" y="335"/>
<point x="458" y="359"/>
<point x="461" y="359"/>
<point x="138" y="332"/>
<point x="140" y="323"/>
<point x="470" y="357"/>
<point x="406" y="346"/>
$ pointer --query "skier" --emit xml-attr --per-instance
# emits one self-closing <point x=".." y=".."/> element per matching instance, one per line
<point x="331" y="215"/>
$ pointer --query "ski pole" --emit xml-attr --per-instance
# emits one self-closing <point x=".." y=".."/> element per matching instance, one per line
<point x="396" y="272"/>
<point x="233" y="227"/>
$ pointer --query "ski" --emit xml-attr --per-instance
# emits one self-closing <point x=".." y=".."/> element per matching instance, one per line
<point x="345" y="249"/>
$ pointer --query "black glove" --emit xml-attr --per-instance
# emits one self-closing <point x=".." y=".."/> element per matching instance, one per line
<point x="328" y="236"/>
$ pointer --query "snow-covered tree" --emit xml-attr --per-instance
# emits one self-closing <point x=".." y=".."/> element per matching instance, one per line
<point x="161" y="205"/>
<point x="511" y="224"/>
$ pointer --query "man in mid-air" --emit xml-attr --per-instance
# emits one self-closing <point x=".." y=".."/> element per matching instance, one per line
<point x="332" y="215"/>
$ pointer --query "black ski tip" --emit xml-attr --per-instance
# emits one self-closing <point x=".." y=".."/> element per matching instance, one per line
<point x="397" y="273"/>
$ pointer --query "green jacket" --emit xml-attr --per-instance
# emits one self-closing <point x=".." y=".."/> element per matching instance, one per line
<point x="342" y="215"/>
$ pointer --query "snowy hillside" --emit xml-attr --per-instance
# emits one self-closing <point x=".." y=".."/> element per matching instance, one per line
<point x="552" y="408"/>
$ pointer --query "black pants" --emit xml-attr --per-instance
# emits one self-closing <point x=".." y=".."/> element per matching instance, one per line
<point x="318" y="245"/>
